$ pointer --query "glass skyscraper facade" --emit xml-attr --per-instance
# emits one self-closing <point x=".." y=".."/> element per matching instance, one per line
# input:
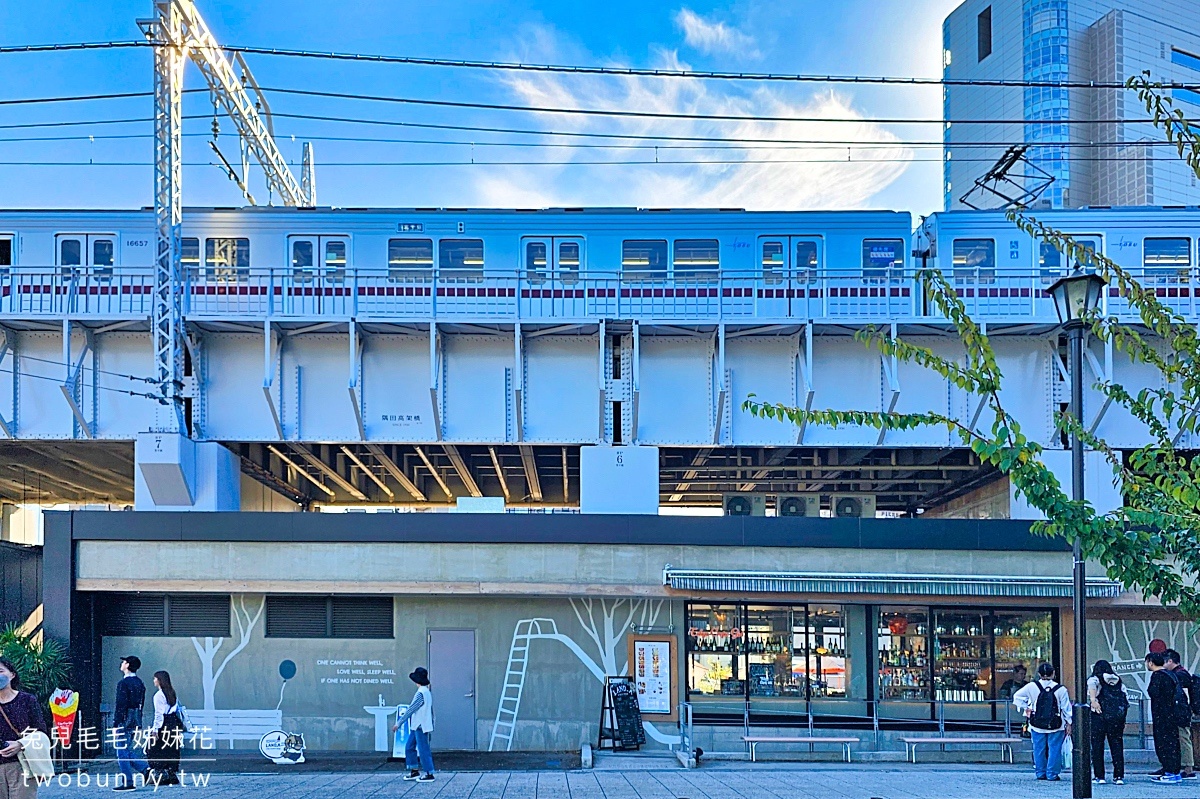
<point x="1096" y="143"/>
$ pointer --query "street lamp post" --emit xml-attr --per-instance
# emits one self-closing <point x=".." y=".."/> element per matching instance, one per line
<point x="1075" y="297"/>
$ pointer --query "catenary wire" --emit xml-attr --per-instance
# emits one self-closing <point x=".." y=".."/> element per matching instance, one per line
<point x="578" y="69"/>
<point x="20" y="373"/>
<point x="136" y="378"/>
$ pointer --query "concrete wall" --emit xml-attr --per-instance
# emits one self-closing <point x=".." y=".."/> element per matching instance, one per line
<point x="559" y="710"/>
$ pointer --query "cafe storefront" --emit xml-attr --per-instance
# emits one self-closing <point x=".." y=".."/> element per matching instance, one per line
<point x="852" y="662"/>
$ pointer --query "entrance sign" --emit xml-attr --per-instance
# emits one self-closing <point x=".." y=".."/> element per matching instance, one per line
<point x="620" y="716"/>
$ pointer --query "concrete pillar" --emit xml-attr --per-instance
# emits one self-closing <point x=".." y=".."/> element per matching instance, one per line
<point x="618" y="480"/>
<point x="172" y="472"/>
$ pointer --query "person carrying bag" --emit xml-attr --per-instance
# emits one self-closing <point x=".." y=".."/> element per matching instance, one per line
<point x="24" y="738"/>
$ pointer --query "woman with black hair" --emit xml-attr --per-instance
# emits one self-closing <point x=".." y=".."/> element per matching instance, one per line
<point x="20" y="712"/>
<point x="167" y="732"/>
<point x="1110" y="704"/>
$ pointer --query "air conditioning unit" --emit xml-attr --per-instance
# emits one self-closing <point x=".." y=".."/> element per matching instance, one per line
<point x="853" y="506"/>
<point x="798" y="505"/>
<point x="744" y="504"/>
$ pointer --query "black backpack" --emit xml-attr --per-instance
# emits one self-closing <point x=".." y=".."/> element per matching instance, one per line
<point x="1181" y="705"/>
<point x="1046" y="715"/>
<point x="1114" y="704"/>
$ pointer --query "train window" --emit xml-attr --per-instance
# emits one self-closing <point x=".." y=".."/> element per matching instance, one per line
<point x="808" y="262"/>
<point x="1167" y="259"/>
<point x="70" y="253"/>
<point x="570" y="258"/>
<point x="302" y="256"/>
<point x="335" y="259"/>
<point x="6" y="251"/>
<point x="410" y="259"/>
<point x="1050" y="258"/>
<point x="975" y="259"/>
<point x="773" y="266"/>
<point x="536" y="266"/>
<point x="883" y="259"/>
<point x="644" y="260"/>
<point x="697" y="259"/>
<point x="461" y="258"/>
<point x="102" y="257"/>
<point x="189" y="254"/>
<point x="227" y="259"/>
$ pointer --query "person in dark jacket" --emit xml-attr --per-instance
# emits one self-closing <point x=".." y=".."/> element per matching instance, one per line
<point x="20" y="712"/>
<point x="127" y="718"/>
<point x="1161" y="691"/>
<point x="1187" y="758"/>
<point x="1110" y="705"/>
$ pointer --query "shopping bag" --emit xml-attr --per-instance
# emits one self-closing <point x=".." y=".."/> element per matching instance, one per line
<point x="1067" y="753"/>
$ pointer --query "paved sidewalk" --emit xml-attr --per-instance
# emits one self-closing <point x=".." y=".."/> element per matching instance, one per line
<point x="716" y="781"/>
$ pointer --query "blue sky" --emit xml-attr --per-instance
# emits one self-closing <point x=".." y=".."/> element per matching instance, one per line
<point x="846" y="37"/>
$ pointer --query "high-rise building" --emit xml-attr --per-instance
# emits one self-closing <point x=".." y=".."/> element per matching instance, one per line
<point x="1098" y="144"/>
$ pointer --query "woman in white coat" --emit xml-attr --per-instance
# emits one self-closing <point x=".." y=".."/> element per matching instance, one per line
<point x="419" y="715"/>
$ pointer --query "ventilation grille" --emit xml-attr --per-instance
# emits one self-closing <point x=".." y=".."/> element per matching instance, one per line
<point x="329" y="617"/>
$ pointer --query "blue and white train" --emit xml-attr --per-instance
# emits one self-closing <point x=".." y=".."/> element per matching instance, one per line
<point x="572" y="263"/>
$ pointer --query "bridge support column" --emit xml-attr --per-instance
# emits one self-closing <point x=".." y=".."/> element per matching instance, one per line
<point x="618" y="480"/>
<point x="173" y="472"/>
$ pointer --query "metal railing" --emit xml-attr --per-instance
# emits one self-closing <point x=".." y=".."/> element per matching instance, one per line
<point x="726" y="295"/>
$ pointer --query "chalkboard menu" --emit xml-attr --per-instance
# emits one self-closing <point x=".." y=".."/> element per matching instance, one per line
<point x="621" y="702"/>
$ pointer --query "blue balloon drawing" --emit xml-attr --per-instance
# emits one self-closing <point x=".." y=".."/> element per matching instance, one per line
<point x="287" y="670"/>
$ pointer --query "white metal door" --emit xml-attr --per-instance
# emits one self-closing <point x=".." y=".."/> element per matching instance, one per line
<point x="791" y="268"/>
<point x="551" y="276"/>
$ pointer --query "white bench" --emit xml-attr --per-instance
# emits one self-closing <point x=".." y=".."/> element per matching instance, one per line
<point x="1005" y="744"/>
<point x="754" y="740"/>
<point x="234" y="725"/>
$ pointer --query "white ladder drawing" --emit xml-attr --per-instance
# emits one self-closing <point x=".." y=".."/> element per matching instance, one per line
<point x="514" y="678"/>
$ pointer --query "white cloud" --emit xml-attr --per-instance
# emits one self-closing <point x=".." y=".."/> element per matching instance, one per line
<point x="710" y="36"/>
<point x="771" y="177"/>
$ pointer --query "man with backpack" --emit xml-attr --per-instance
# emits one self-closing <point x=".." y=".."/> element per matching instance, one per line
<point x="1110" y="706"/>
<point x="1047" y="705"/>
<point x="1165" y="694"/>
<point x="1187" y="758"/>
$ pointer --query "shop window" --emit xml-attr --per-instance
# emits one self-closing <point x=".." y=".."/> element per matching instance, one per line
<point x="882" y="260"/>
<point x="962" y="647"/>
<point x="1024" y="640"/>
<point x="461" y="259"/>
<point x="773" y="650"/>
<point x="902" y="643"/>
<point x="644" y="260"/>
<point x="975" y="259"/>
<point x="716" y="662"/>
<point x="410" y="260"/>
<point x="227" y="259"/>
<point x="697" y="259"/>
<point x="178" y="615"/>
<point x="329" y="617"/>
<point x="826" y="667"/>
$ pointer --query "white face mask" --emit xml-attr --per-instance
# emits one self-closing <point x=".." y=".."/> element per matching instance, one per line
<point x="4" y="681"/>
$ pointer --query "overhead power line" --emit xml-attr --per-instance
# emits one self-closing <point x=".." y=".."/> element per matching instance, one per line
<point x="612" y="112"/>
<point x="579" y="69"/>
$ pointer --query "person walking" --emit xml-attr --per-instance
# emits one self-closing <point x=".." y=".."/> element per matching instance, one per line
<point x="167" y="733"/>
<point x="1187" y="758"/>
<point x="419" y="715"/>
<point x="20" y="712"/>
<point x="1047" y="705"/>
<point x="127" y="718"/>
<point x="1110" y="706"/>
<point x="1161" y="691"/>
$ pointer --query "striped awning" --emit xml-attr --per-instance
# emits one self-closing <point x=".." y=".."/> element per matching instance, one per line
<point x="772" y="582"/>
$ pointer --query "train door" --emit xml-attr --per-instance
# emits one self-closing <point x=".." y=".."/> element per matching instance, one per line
<point x="8" y="259"/>
<point x="86" y="256"/>
<point x="1053" y="264"/>
<point x="791" y="274"/>
<point x="552" y="266"/>
<point x="317" y="281"/>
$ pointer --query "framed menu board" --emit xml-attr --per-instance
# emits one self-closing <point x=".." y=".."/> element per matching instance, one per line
<point x="654" y="664"/>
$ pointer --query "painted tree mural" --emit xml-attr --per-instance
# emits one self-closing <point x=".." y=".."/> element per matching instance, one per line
<point x="246" y="618"/>
<point x="606" y="623"/>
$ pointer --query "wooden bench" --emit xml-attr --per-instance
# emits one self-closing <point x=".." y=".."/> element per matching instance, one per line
<point x="233" y="725"/>
<point x="1005" y="744"/>
<point x="754" y="740"/>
